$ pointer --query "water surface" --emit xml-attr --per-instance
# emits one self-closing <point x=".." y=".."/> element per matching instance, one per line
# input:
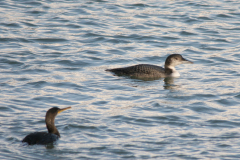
<point x="54" y="53"/>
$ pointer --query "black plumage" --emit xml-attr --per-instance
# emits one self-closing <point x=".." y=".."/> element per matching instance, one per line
<point x="46" y="137"/>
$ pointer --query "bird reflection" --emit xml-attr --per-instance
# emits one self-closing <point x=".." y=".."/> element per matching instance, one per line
<point x="169" y="83"/>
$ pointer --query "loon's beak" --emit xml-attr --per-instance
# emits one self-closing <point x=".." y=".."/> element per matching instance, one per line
<point x="61" y="110"/>
<point x="186" y="61"/>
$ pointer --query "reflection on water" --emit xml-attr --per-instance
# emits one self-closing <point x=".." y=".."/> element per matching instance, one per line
<point x="169" y="83"/>
<point x="50" y="146"/>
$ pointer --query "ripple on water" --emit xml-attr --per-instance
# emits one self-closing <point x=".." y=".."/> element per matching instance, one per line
<point x="55" y="54"/>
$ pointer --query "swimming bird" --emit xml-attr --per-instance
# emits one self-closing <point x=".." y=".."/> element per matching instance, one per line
<point x="46" y="137"/>
<point x="153" y="71"/>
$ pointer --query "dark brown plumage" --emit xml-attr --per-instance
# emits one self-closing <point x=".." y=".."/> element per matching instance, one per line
<point x="153" y="71"/>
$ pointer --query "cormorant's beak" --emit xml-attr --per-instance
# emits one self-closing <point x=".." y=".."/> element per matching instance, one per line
<point x="63" y="109"/>
<point x="186" y="61"/>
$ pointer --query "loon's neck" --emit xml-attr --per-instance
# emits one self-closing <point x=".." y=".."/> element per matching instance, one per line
<point x="171" y="71"/>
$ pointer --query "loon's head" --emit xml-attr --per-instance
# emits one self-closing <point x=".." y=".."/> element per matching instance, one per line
<point x="171" y="62"/>
<point x="174" y="60"/>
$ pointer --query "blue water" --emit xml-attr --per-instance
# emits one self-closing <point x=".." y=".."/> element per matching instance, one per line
<point x="54" y="54"/>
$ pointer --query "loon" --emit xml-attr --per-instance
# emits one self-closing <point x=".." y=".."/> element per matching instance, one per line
<point x="153" y="71"/>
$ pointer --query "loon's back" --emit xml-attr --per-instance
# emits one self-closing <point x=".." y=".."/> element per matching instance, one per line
<point x="140" y="71"/>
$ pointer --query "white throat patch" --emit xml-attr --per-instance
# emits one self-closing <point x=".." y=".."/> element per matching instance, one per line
<point x="174" y="73"/>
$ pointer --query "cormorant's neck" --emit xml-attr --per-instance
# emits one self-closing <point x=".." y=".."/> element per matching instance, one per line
<point x="51" y="126"/>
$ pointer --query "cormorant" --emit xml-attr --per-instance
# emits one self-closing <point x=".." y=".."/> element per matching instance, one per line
<point x="46" y="137"/>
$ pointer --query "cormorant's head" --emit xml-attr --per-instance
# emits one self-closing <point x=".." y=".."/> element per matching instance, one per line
<point x="52" y="113"/>
<point x="175" y="59"/>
